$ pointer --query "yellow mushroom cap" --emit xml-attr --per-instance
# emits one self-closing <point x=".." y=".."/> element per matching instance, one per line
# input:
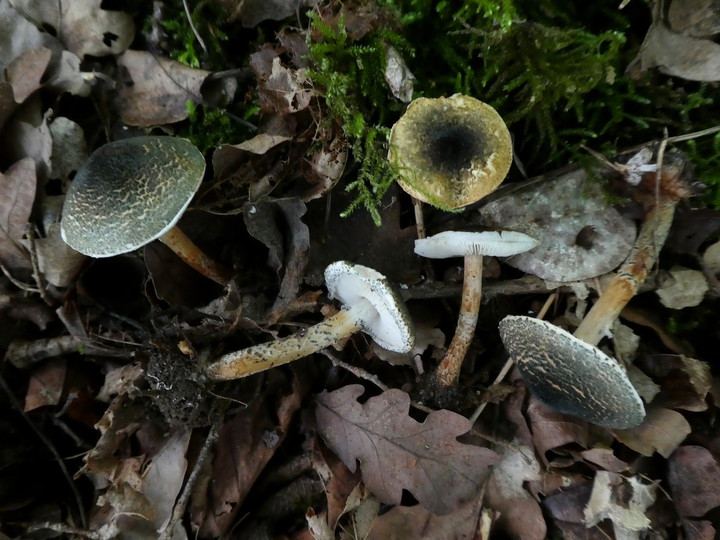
<point x="450" y="152"/>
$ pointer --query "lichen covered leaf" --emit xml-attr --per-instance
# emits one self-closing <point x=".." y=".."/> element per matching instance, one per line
<point x="397" y="452"/>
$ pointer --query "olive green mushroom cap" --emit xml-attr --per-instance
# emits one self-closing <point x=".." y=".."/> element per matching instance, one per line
<point x="450" y="152"/>
<point x="570" y="375"/>
<point x="129" y="193"/>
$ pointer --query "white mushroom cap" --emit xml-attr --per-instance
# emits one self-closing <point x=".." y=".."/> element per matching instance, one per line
<point x="459" y="244"/>
<point x="386" y="319"/>
<point x="570" y="375"/>
<point x="129" y="193"/>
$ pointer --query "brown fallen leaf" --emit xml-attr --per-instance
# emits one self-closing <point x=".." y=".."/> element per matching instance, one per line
<point x="676" y="54"/>
<point x="622" y="500"/>
<point x="281" y="89"/>
<point x="82" y="25"/>
<point x="397" y="452"/>
<point x="694" y="477"/>
<point x="46" y="385"/>
<point x="662" y="431"/>
<point x="520" y="514"/>
<point x="17" y="193"/>
<point x="418" y="522"/>
<point x="160" y="89"/>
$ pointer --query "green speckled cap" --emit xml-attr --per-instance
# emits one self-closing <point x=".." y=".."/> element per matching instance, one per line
<point x="570" y="375"/>
<point x="129" y="193"/>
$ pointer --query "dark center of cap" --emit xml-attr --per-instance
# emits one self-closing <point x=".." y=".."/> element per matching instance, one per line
<point x="452" y="147"/>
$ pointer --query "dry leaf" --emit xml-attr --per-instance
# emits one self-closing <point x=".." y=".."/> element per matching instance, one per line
<point x="694" y="477"/>
<point x="160" y="89"/>
<point x="281" y="90"/>
<point x="520" y="514"/>
<point x="676" y="54"/>
<point x="418" y="522"/>
<point x="621" y="500"/>
<point x="46" y="385"/>
<point x="687" y="288"/>
<point x="397" y="452"/>
<point x="662" y="431"/>
<point x="17" y="193"/>
<point x="58" y="262"/>
<point x="82" y="25"/>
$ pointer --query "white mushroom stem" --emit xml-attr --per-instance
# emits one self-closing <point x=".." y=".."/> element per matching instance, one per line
<point x="632" y="274"/>
<point x="186" y="249"/>
<point x="343" y="324"/>
<point x="448" y="372"/>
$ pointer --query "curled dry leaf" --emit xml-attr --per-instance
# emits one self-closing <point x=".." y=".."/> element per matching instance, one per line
<point x="677" y="54"/>
<point x="397" y="452"/>
<point x="17" y="193"/>
<point x="694" y="477"/>
<point x="281" y="89"/>
<point x="82" y="25"/>
<point x="686" y="289"/>
<point x="621" y="500"/>
<point x="160" y="89"/>
<point x="662" y="431"/>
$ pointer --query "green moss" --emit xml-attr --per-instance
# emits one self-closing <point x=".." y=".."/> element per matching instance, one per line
<point x="350" y="76"/>
<point x="209" y="128"/>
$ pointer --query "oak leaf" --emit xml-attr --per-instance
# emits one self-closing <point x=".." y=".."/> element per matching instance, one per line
<point x="397" y="452"/>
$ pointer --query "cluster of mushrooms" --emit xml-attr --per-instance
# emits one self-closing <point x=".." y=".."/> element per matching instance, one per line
<point x="450" y="152"/>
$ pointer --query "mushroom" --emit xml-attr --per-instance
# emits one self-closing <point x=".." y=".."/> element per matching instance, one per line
<point x="472" y="246"/>
<point x="133" y="191"/>
<point x="549" y="358"/>
<point x="571" y="375"/>
<point x="369" y="304"/>
<point x="450" y="152"/>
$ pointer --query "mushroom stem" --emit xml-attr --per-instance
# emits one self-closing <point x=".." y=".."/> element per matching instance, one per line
<point x="238" y="364"/>
<point x="186" y="249"/>
<point x="448" y="372"/>
<point x="632" y="274"/>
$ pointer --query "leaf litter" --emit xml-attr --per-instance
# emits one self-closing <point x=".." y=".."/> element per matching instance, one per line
<point x="104" y="358"/>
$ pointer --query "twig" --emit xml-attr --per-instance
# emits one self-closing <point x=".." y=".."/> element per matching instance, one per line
<point x="194" y="30"/>
<point x="357" y="371"/>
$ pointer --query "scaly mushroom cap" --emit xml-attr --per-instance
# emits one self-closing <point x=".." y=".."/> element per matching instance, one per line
<point x="387" y="322"/>
<point x="458" y="244"/>
<point x="130" y="192"/>
<point x="571" y="376"/>
<point x="450" y="152"/>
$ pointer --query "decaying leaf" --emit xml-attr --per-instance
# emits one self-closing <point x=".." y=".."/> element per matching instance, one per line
<point x="469" y="520"/>
<point x="623" y="500"/>
<point x="677" y="54"/>
<point x="694" y="477"/>
<point x="281" y="89"/>
<point x="520" y="513"/>
<point x="397" y="452"/>
<point x="58" y="262"/>
<point x="46" y="385"/>
<point x="17" y="193"/>
<point x="662" y="431"/>
<point x="160" y="89"/>
<point x="687" y="288"/>
<point x="82" y="25"/>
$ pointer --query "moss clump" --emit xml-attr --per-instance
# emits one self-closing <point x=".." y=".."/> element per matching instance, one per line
<point x="349" y="73"/>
